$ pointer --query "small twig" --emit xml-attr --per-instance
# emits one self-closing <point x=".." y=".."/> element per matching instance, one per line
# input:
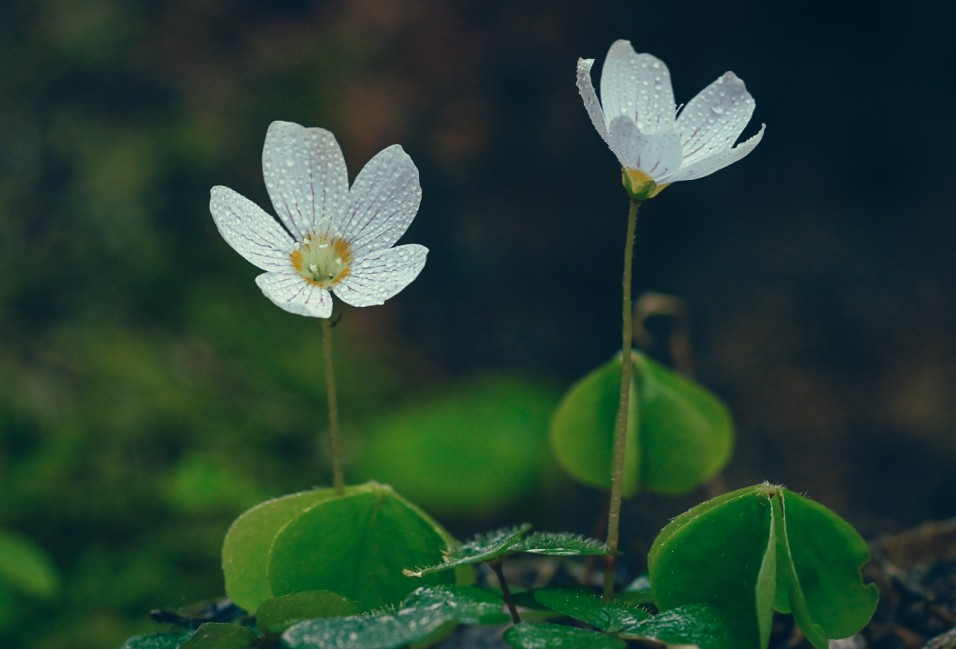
<point x="505" y="591"/>
<point x="678" y="343"/>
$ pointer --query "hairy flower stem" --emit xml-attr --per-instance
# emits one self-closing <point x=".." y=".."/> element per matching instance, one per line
<point x="338" y="480"/>
<point x="620" y="432"/>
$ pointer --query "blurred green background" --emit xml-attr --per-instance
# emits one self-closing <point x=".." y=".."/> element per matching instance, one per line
<point x="149" y="393"/>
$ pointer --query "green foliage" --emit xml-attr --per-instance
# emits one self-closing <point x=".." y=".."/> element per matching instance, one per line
<point x="612" y="617"/>
<point x="560" y="544"/>
<point x="494" y="546"/>
<point x="424" y="613"/>
<point x="158" y="640"/>
<point x="279" y="613"/>
<point x="558" y="636"/>
<point x="698" y="624"/>
<point x="246" y="548"/>
<point x="439" y="451"/>
<point x="26" y="568"/>
<point x="760" y="548"/>
<point x="482" y="548"/>
<point x="679" y="435"/>
<point x="321" y="541"/>
<point x="695" y="624"/>
<point x="819" y="557"/>
<point x="217" y="635"/>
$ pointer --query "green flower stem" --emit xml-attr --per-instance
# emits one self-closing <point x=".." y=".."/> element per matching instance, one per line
<point x="620" y="433"/>
<point x="505" y="591"/>
<point x="338" y="480"/>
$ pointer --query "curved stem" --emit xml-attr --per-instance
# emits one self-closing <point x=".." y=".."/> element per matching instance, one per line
<point x="620" y="432"/>
<point x="338" y="479"/>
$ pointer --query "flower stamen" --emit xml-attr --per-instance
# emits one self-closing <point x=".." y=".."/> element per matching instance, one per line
<point x="322" y="260"/>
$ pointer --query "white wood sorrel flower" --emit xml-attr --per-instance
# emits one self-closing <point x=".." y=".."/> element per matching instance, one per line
<point x="638" y="119"/>
<point x="334" y="239"/>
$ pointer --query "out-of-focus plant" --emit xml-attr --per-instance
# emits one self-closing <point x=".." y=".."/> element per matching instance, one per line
<point x="25" y="572"/>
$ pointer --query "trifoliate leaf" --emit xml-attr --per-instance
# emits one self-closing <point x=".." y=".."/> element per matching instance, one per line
<point x="760" y="548"/>
<point x="819" y="558"/>
<point x="436" y="450"/>
<point x="717" y="553"/>
<point x="246" y="546"/>
<point x="679" y="435"/>
<point x="357" y="545"/>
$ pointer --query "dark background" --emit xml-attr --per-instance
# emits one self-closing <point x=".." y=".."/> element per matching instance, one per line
<point x="149" y="393"/>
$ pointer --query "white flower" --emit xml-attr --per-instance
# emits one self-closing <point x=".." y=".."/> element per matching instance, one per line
<point x="335" y="238"/>
<point x="638" y="119"/>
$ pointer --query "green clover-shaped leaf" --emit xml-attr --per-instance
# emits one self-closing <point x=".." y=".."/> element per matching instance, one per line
<point x="679" y="434"/>
<point x="760" y="548"/>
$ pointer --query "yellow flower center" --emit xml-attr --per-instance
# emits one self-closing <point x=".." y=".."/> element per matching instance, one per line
<point x="322" y="260"/>
<point x="639" y="185"/>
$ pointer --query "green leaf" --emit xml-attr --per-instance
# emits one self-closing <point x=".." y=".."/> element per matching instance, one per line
<point x="612" y="617"/>
<point x="279" y="613"/>
<point x="760" y="548"/>
<point x="716" y="553"/>
<point x="26" y="568"/>
<point x="484" y="548"/>
<point x="582" y="429"/>
<point x="694" y="624"/>
<point x="480" y="549"/>
<point x="420" y="616"/>
<point x="357" y="545"/>
<point x="246" y="546"/>
<point x="437" y="450"/>
<point x="820" y="557"/>
<point x="157" y="641"/>
<point x="560" y="544"/>
<point x="679" y="434"/>
<point x="215" y="635"/>
<point x="558" y="636"/>
<point x="686" y="433"/>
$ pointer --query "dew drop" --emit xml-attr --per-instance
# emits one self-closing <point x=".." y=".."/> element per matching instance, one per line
<point x="717" y="110"/>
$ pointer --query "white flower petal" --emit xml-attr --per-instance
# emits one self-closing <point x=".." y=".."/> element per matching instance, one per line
<point x="306" y="176"/>
<point x="249" y="230"/>
<point x="591" y="104"/>
<point x="657" y="154"/>
<point x="706" y="166"/>
<point x="378" y="277"/>
<point x="382" y="202"/>
<point x="714" y="119"/>
<point x="637" y="86"/>
<point x="291" y="292"/>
